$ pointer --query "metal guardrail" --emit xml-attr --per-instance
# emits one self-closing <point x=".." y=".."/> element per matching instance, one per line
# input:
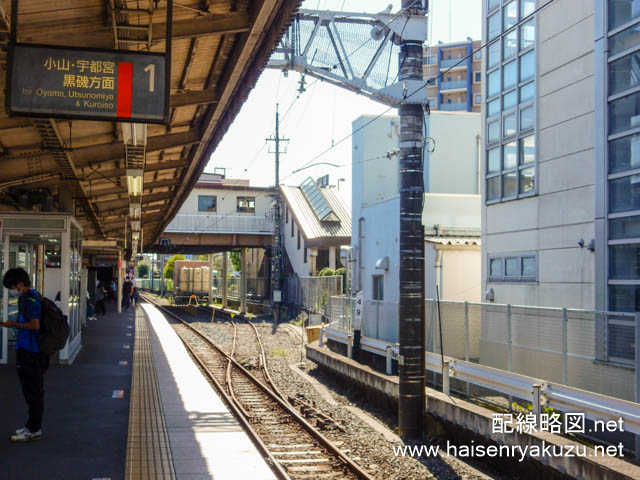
<point x="453" y="107"/>
<point x="220" y="223"/>
<point x="450" y="62"/>
<point x="453" y="85"/>
<point x="554" y="395"/>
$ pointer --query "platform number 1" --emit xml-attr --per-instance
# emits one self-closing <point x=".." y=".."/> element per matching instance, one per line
<point x="151" y="68"/>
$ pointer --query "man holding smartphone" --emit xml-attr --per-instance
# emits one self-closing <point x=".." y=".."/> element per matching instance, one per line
<point x="30" y="361"/>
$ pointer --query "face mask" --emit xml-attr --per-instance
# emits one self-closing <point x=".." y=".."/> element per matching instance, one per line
<point x="14" y="292"/>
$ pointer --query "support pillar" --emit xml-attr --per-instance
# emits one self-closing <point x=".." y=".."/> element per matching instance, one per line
<point x="243" y="281"/>
<point x="332" y="258"/>
<point x="210" y="280"/>
<point x="119" y="292"/>
<point x="411" y="370"/>
<point x="224" y="280"/>
<point x="162" y="280"/>
<point x="40" y="268"/>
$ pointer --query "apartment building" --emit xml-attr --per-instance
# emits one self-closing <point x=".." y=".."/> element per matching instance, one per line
<point x="460" y="87"/>
<point x="561" y="126"/>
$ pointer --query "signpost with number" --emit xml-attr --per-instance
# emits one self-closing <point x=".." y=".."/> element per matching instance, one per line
<point x="110" y="85"/>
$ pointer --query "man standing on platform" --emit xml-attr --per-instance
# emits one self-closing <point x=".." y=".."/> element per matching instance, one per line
<point x="30" y="361"/>
<point x="127" y="292"/>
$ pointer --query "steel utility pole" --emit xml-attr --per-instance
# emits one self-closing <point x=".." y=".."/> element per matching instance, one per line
<point x="411" y="372"/>
<point x="276" y="245"/>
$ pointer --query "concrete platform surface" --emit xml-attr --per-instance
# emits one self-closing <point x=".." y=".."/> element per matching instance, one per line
<point x="206" y="440"/>
<point x="86" y="416"/>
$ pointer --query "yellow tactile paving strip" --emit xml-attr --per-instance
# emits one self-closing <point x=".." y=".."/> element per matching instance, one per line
<point x="148" y="450"/>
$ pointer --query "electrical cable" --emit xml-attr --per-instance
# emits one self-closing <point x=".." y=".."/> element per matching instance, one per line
<point x="425" y="84"/>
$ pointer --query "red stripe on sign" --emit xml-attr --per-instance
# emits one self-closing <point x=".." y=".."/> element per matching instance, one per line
<point x="125" y="88"/>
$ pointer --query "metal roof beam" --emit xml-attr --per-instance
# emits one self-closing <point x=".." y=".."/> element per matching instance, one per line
<point x="149" y="167"/>
<point x="124" y="202"/>
<point x="103" y="38"/>
<point x="115" y="151"/>
<point x="123" y="190"/>
<point x="194" y="97"/>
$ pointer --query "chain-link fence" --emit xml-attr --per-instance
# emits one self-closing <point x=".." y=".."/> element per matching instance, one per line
<point x="580" y="348"/>
<point x="153" y="285"/>
<point x="312" y="293"/>
<point x="257" y="288"/>
<point x="341" y="312"/>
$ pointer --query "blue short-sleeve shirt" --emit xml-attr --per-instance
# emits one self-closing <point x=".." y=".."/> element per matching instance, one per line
<point x="30" y="308"/>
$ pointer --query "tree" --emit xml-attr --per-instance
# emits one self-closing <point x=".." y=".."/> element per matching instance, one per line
<point x="236" y="260"/>
<point x="203" y="257"/>
<point x="170" y="265"/>
<point x="144" y="267"/>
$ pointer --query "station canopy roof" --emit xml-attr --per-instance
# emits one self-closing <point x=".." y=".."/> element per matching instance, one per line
<point x="219" y="49"/>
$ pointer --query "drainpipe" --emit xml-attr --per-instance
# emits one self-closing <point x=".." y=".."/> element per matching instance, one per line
<point x="360" y="256"/>
<point x="478" y="163"/>
<point x="438" y="268"/>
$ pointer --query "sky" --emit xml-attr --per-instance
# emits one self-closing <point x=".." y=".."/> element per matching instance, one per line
<point x="322" y="116"/>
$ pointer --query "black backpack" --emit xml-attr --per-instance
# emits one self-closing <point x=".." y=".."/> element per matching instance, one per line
<point x="54" y="329"/>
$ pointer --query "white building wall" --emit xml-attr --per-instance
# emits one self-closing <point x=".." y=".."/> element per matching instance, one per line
<point x="457" y="148"/>
<point x="552" y="222"/>
<point x="381" y="239"/>
<point x="226" y="201"/>
<point x="296" y="257"/>
<point x="375" y="199"/>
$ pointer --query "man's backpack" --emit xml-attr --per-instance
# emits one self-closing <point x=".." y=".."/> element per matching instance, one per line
<point x="54" y="329"/>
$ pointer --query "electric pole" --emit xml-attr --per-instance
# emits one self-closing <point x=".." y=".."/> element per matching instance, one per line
<point x="411" y="371"/>
<point x="276" y="245"/>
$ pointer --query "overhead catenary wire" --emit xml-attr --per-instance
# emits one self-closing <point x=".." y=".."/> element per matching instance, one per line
<point x="424" y="85"/>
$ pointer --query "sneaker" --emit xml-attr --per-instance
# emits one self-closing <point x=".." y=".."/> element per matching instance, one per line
<point x="22" y="431"/>
<point x="26" y="436"/>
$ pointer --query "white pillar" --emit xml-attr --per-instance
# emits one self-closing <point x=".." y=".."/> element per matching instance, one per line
<point x="224" y="279"/>
<point x="243" y="281"/>
<point x="332" y="258"/>
<point x="119" y="270"/>
<point x="210" y="280"/>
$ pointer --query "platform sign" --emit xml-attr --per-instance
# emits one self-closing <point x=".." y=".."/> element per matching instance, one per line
<point x="357" y="313"/>
<point x="110" y="85"/>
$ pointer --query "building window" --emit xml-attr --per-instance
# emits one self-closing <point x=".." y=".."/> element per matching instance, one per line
<point x="622" y="12"/>
<point x="477" y="77"/>
<point x="298" y="239"/>
<point x="511" y="109"/>
<point x="207" y="203"/>
<point x="477" y="56"/>
<point x="246" y="204"/>
<point x="305" y="253"/>
<point x="521" y="267"/>
<point x="477" y="98"/>
<point x="378" y="288"/>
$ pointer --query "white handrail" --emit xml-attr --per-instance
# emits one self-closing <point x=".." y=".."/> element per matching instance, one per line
<point x="219" y="223"/>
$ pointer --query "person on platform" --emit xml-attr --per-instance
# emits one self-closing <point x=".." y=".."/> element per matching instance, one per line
<point x="101" y="296"/>
<point x="127" y="292"/>
<point x="31" y="363"/>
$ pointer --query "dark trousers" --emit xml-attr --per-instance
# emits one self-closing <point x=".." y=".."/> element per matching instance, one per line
<point x="126" y="301"/>
<point x="101" y="309"/>
<point x="31" y="367"/>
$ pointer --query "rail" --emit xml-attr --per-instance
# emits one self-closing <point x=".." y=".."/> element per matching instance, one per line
<point x="348" y="464"/>
<point x="219" y="223"/>
<point x="551" y="394"/>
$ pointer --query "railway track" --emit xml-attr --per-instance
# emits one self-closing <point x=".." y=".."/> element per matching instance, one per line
<point x="294" y="447"/>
